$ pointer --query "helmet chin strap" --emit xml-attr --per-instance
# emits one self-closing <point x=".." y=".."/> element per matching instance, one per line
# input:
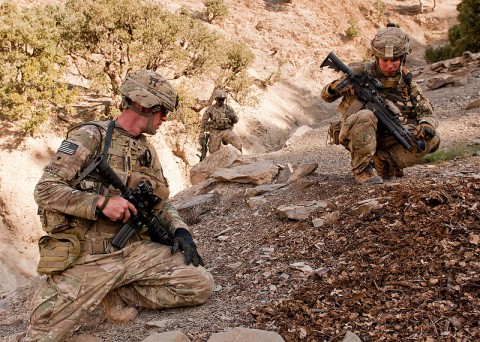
<point x="150" y="129"/>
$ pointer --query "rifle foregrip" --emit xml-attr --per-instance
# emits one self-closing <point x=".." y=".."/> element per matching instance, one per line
<point x="160" y="233"/>
<point x="123" y="235"/>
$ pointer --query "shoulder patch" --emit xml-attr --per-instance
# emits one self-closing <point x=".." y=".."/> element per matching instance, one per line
<point x="67" y="147"/>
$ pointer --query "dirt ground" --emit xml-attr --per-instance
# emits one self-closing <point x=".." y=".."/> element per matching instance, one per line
<point x="406" y="269"/>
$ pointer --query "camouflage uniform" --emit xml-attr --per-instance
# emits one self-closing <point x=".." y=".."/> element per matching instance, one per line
<point x="219" y="121"/>
<point x="359" y="133"/>
<point x="144" y="273"/>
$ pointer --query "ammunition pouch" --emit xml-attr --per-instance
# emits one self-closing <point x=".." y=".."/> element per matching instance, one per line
<point x="334" y="133"/>
<point x="59" y="251"/>
<point x="219" y="124"/>
<point x="53" y="222"/>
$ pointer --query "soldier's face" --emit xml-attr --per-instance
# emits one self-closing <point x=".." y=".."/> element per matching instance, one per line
<point x="158" y="119"/>
<point x="389" y="67"/>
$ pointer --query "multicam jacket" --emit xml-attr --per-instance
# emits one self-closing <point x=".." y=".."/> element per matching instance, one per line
<point x="218" y="118"/>
<point x="71" y="202"/>
<point x="413" y="106"/>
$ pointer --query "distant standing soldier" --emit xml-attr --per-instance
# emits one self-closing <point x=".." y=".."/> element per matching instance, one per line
<point x="375" y="154"/>
<point x="218" y="120"/>
<point x="84" y="269"/>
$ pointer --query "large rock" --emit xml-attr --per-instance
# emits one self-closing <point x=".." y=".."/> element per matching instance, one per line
<point x="300" y="212"/>
<point x="191" y="208"/>
<point x="440" y="81"/>
<point x="246" y="335"/>
<point x="365" y="206"/>
<point x="263" y="189"/>
<point x="224" y="157"/>
<point x="473" y="104"/>
<point x="297" y="135"/>
<point x="351" y="337"/>
<point x="302" y="171"/>
<point x="170" y="336"/>
<point x="261" y="172"/>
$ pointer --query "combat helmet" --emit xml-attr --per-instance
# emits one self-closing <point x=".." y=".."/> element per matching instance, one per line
<point x="220" y="94"/>
<point x="149" y="89"/>
<point x="390" y="43"/>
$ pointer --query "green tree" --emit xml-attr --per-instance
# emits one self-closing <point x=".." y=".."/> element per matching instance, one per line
<point x="202" y="49"/>
<point x="32" y="66"/>
<point x="234" y="76"/>
<point x="465" y="36"/>
<point x="111" y="37"/>
<point x="107" y="38"/>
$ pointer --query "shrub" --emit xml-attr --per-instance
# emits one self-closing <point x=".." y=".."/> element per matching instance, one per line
<point x="353" y="30"/>
<point x="433" y="55"/>
<point x="215" y="9"/>
<point x="185" y="114"/>
<point x="234" y="74"/>
<point x="452" y="152"/>
<point x="105" y="40"/>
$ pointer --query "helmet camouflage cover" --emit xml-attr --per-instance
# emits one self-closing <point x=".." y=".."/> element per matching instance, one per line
<point x="148" y="89"/>
<point x="220" y="94"/>
<point x="390" y="43"/>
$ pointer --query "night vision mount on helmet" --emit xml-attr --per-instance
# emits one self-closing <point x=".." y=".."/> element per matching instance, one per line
<point x="390" y="43"/>
<point x="220" y="94"/>
<point x="149" y="89"/>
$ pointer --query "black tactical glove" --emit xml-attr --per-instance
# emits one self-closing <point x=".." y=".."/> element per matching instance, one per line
<point x="183" y="240"/>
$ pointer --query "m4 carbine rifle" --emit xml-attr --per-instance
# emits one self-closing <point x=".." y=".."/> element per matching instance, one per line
<point x="367" y="94"/>
<point x="142" y="198"/>
<point x="204" y="146"/>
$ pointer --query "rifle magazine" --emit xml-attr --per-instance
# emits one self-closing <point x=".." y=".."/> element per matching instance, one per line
<point x="123" y="235"/>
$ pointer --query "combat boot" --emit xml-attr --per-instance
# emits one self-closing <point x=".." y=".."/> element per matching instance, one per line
<point x="116" y="310"/>
<point x="368" y="176"/>
<point x="388" y="170"/>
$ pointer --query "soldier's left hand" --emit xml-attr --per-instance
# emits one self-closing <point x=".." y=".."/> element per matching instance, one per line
<point x="425" y="132"/>
<point x="182" y="240"/>
<point x="343" y="87"/>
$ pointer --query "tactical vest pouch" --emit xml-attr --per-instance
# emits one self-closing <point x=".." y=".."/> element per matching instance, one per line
<point x="53" y="222"/>
<point x="222" y="123"/>
<point x="334" y="133"/>
<point x="58" y="252"/>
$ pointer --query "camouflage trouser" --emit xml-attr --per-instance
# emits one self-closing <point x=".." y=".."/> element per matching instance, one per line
<point x="225" y="136"/>
<point x="145" y="273"/>
<point x="359" y="135"/>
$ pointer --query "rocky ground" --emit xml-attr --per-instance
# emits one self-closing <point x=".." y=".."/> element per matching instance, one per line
<point x="393" y="262"/>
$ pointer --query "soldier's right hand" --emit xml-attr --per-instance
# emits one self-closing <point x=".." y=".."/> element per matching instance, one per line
<point x="201" y="140"/>
<point x="343" y="87"/>
<point x="117" y="208"/>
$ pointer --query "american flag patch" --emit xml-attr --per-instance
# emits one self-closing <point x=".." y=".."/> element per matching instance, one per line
<point x="67" y="147"/>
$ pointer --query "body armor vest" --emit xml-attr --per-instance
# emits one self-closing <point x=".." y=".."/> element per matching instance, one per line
<point x="133" y="161"/>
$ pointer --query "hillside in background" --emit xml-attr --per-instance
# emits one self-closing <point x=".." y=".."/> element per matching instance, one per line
<point x="405" y="269"/>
